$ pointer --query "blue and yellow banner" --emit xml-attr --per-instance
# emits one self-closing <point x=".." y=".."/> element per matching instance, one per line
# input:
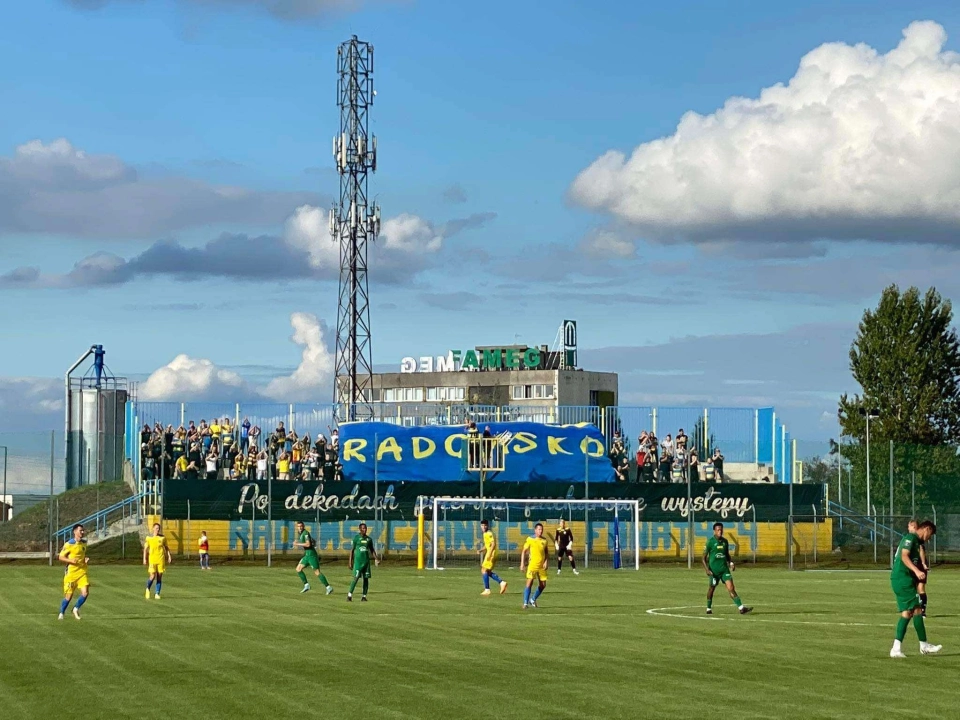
<point x="534" y="453"/>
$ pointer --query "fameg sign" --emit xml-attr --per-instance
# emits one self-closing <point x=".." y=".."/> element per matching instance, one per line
<point x="488" y="359"/>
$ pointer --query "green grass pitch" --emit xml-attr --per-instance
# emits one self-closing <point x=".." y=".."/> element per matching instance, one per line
<point x="241" y="642"/>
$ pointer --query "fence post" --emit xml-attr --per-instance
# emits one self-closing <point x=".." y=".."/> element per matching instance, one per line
<point x="874" y="508"/>
<point x="586" y="512"/>
<point x="50" y="527"/>
<point x="934" y="537"/>
<point x="189" y="534"/>
<point x="756" y="436"/>
<point x="814" y="533"/>
<point x="755" y="534"/>
<point x="653" y="425"/>
<point x="269" y="521"/>
<point x="790" y="531"/>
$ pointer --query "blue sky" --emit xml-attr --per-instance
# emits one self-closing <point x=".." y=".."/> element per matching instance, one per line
<point x="123" y="121"/>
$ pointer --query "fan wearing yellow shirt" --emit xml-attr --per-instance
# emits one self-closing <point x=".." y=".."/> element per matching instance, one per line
<point x="155" y="549"/>
<point x="74" y="555"/>
<point x="535" y="554"/>
<point x="489" y="560"/>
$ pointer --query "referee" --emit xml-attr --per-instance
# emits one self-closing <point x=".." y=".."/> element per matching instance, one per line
<point x="563" y="542"/>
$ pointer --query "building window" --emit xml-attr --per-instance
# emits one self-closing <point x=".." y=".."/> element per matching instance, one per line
<point x="403" y="395"/>
<point x="533" y="392"/>
<point x="446" y="394"/>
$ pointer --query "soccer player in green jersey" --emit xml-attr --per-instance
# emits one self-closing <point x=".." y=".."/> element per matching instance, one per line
<point x="719" y="566"/>
<point x="310" y="558"/>
<point x="904" y="576"/>
<point x="923" y="565"/>
<point x="361" y="552"/>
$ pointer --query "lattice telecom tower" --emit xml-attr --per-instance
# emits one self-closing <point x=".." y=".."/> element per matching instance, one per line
<point x="354" y="223"/>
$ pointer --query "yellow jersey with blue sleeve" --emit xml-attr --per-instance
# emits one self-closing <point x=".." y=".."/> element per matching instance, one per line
<point x="156" y="553"/>
<point x="538" y="558"/>
<point x="75" y="576"/>
<point x="489" y="551"/>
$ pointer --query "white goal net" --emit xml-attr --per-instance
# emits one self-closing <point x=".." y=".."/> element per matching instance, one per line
<point x="606" y="533"/>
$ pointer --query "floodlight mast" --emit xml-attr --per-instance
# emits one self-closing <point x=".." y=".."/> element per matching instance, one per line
<point x="354" y="224"/>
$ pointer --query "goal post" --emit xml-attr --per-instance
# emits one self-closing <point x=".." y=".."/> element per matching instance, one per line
<point x="606" y="533"/>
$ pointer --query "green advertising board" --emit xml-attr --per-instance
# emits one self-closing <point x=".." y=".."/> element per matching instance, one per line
<point x="232" y="500"/>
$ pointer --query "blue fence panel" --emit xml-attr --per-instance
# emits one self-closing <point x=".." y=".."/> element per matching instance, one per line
<point x="780" y="454"/>
<point x="765" y="435"/>
<point x="629" y="421"/>
<point x="670" y="420"/>
<point x="208" y="411"/>
<point x="165" y="413"/>
<point x="732" y="430"/>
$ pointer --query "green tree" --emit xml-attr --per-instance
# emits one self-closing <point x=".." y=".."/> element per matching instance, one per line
<point x="906" y="358"/>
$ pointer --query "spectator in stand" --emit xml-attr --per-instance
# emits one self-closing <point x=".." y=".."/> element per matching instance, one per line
<point x="168" y="441"/>
<point x="262" y="459"/>
<point x="667" y="457"/>
<point x="330" y="466"/>
<point x="717" y="461"/>
<point x="179" y="443"/>
<point x="215" y="429"/>
<point x="239" y="467"/>
<point x="694" y="465"/>
<point x="255" y="437"/>
<point x="226" y="432"/>
<point x="321" y="446"/>
<point x="623" y="469"/>
<point x="244" y="435"/>
<point x="206" y="438"/>
<point x="213" y="457"/>
<point x="313" y="465"/>
<point x="334" y="440"/>
<point x="678" y="469"/>
<point x="280" y="433"/>
<point x="283" y="466"/>
<point x="296" y="457"/>
<point x="681" y="440"/>
<point x="709" y="473"/>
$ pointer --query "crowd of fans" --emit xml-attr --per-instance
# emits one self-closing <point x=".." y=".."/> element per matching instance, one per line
<point x="669" y="460"/>
<point x="221" y="450"/>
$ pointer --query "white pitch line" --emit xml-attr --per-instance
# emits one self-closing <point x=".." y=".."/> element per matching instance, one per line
<point x="661" y="612"/>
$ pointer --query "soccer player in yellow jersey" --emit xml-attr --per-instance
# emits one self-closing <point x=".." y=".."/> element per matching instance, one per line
<point x="155" y="549"/>
<point x="74" y="555"/>
<point x="489" y="560"/>
<point x="535" y="552"/>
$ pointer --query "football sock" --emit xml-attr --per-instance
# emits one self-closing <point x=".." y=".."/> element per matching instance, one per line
<point x="323" y="579"/>
<point x="366" y="585"/>
<point x="573" y="563"/>
<point x="496" y="578"/>
<point x="353" y="585"/>
<point x="902" y="625"/>
<point x="486" y="581"/>
<point x="83" y="599"/>
<point x="526" y="595"/>
<point x="736" y="601"/>
<point x="709" y="603"/>
<point x="920" y="628"/>
<point x="149" y="583"/>
<point x="923" y="600"/>
<point x="303" y="577"/>
<point x="64" y="604"/>
<point x="559" y="563"/>
<point x="158" y="586"/>
<point x="539" y="591"/>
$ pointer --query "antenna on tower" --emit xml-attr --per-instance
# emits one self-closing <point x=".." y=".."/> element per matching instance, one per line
<point x="354" y="223"/>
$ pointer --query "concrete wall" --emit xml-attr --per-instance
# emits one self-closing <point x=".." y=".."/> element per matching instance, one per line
<point x="574" y="386"/>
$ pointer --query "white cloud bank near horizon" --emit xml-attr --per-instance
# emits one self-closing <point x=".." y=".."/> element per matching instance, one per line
<point x="858" y="144"/>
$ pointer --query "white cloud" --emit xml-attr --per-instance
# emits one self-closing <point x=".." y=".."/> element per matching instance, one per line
<point x="858" y="144"/>
<point x="607" y="243"/>
<point x="314" y="376"/>
<point x="187" y="377"/>
<point x="308" y="229"/>
<point x="287" y="10"/>
<point x="410" y="233"/>
<point x="57" y="188"/>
